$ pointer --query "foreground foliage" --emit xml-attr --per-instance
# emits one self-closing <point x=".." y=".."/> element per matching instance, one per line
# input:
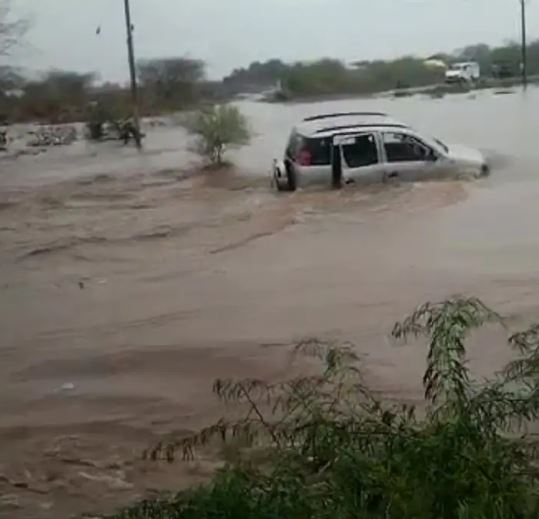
<point x="326" y="447"/>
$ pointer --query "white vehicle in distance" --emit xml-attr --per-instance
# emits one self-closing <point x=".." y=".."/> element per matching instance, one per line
<point x="366" y="147"/>
<point x="464" y="72"/>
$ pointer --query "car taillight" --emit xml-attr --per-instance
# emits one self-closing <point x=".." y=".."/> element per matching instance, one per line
<point x="304" y="158"/>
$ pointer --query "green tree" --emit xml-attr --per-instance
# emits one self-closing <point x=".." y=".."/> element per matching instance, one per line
<point x="510" y="54"/>
<point x="57" y="95"/>
<point x="480" y="53"/>
<point x="330" y="76"/>
<point x="257" y="76"/>
<point x="171" y="82"/>
<point x="325" y="76"/>
<point x="217" y="129"/>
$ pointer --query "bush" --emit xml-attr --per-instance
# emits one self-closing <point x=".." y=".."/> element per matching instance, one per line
<point x="217" y="129"/>
<point x="337" y="451"/>
<point x="98" y="116"/>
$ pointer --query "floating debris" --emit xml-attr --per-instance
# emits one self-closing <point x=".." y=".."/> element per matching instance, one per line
<point x="68" y="386"/>
<point x="53" y="136"/>
<point x="3" y="140"/>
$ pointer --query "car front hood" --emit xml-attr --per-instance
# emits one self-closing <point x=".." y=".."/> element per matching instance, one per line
<point x="466" y="155"/>
<point x="468" y="159"/>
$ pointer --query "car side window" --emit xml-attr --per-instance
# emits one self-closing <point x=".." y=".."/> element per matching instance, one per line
<point x="318" y="150"/>
<point x="360" y="150"/>
<point x="400" y="147"/>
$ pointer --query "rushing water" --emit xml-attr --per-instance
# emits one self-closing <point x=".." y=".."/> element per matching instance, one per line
<point x="124" y="296"/>
<point x="504" y="124"/>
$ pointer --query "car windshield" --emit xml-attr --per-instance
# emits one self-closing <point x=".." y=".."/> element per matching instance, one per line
<point x="457" y="66"/>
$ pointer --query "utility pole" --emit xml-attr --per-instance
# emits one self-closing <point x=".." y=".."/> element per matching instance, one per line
<point x="133" y="73"/>
<point x="524" y="44"/>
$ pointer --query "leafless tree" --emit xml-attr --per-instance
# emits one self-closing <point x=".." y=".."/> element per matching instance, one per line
<point x="171" y="81"/>
<point x="11" y="28"/>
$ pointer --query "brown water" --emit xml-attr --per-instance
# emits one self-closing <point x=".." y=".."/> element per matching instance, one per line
<point x="125" y="292"/>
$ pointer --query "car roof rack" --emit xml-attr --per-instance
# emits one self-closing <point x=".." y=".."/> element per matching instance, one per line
<point x="344" y="114"/>
<point x="371" y="125"/>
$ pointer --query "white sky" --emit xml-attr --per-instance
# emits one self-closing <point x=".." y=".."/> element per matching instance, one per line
<point x="232" y="33"/>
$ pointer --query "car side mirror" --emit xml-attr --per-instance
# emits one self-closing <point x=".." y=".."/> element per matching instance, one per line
<point x="432" y="156"/>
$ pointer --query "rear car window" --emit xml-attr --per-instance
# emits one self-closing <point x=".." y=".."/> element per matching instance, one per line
<point x="309" y="151"/>
<point x="319" y="150"/>
<point x="293" y="146"/>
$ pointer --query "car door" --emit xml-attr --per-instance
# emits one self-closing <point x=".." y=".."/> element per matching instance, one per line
<point x="408" y="158"/>
<point x="360" y="158"/>
<point x="312" y="160"/>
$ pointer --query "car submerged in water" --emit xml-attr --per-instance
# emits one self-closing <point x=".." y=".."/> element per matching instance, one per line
<point x="367" y="147"/>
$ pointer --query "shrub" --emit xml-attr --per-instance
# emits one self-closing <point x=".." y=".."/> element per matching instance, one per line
<point x="218" y="128"/>
<point x="337" y="451"/>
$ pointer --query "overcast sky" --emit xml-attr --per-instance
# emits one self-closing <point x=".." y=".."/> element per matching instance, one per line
<point x="231" y="33"/>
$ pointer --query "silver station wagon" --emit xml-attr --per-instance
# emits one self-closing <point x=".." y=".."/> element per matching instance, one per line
<point x="366" y="147"/>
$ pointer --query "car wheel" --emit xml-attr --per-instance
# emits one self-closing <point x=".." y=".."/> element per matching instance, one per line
<point x="278" y="182"/>
<point x="278" y="175"/>
<point x="291" y="177"/>
<point x="284" y="177"/>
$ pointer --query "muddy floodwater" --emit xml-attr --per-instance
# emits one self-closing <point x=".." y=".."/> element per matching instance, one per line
<point x="128" y="285"/>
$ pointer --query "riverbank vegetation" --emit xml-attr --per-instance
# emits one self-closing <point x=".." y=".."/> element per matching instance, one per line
<point x="334" y="77"/>
<point x="326" y="446"/>
<point x="173" y="84"/>
<point x="218" y="128"/>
